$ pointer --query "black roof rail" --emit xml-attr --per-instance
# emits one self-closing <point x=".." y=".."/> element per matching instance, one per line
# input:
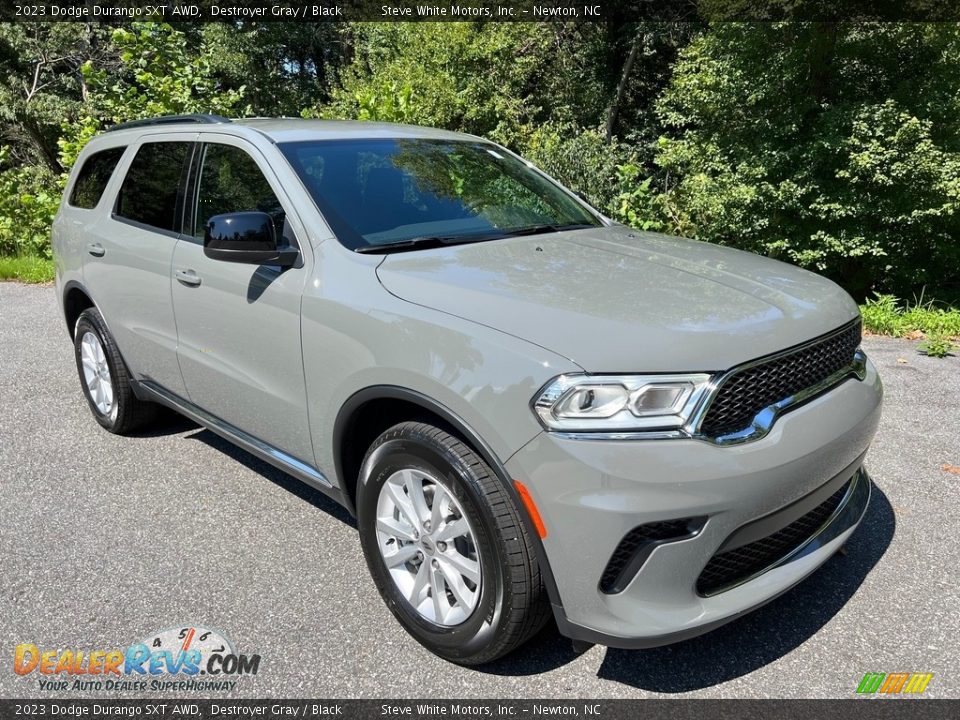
<point x="169" y="120"/>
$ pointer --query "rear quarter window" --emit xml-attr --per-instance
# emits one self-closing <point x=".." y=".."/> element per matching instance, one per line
<point x="93" y="177"/>
<point x="149" y="193"/>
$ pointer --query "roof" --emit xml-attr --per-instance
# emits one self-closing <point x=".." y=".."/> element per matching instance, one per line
<point x="293" y="129"/>
<point x="288" y="129"/>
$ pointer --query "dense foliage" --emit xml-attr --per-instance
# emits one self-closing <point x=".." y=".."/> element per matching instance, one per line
<point x="835" y="147"/>
<point x="832" y="146"/>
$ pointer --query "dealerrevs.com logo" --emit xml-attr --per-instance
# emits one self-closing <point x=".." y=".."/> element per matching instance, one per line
<point x="186" y="658"/>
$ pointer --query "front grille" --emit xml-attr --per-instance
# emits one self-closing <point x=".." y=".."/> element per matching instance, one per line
<point x="744" y="393"/>
<point x="732" y="567"/>
<point x="637" y="545"/>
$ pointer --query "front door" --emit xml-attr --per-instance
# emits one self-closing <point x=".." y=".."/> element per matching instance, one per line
<point x="238" y="325"/>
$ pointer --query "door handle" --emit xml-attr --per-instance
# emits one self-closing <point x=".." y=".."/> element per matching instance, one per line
<point x="187" y="277"/>
<point x="96" y="249"/>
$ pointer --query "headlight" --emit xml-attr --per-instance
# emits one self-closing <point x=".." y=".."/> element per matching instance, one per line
<point x="620" y="403"/>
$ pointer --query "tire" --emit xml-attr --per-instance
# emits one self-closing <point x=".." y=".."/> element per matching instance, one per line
<point x="108" y="394"/>
<point x="509" y="602"/>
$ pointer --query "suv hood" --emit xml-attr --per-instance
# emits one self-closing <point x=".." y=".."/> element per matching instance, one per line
<point x="616" y="300"/>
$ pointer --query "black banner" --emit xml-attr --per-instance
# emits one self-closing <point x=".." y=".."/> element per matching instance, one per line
<point x="164" y="709"/>
<point x="113" y="11"/>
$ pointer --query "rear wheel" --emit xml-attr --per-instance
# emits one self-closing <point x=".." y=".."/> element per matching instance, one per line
<point x="105" y="379"/>
<point x="446" y="546"/>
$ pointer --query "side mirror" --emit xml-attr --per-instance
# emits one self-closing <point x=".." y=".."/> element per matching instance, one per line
<point x="246" y="237"/>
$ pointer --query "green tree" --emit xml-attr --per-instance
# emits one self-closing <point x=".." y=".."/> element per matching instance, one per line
<point x="500" y="80"/>
<point x="576" y="98"/>
<point x="141" y="70"/>
<point x="159" y="74"/>
<point x="586" y="162"/>
<point x="834" y="146"/>
<point x="41" y="82"/>
<point x="283" y="67"/>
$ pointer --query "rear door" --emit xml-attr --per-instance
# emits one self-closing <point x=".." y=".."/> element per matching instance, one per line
<point x="239" y="325"/>
<point x="129" y="254"/>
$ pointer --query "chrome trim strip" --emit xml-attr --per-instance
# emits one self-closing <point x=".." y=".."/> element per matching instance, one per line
<point x="847" y="514"/>
<point x="763" y="421"/>
<point x="289" y="464"/>
<point x="651" y="435"/>
<point x="859" y="359"/>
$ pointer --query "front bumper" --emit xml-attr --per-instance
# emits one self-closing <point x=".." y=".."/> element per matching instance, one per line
<point x="591" y="494"/>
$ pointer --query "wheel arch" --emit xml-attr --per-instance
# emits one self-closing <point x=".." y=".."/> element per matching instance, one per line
<point x="76" y="299"/>
<point x="409" y="402"/>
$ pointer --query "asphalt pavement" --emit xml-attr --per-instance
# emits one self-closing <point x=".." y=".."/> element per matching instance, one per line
<point x="105" y="540"/>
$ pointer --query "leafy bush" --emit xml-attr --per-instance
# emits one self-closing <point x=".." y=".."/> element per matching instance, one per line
<point x="461" y="76"/>
<point x="392" y="103"/>
<point x="835" y="146"/>
<point x="884" y="315"/>
<point x="934" y="321"/>
<point x="498" y="80"/>
<point x="585" y="162"/>
<point x="29" y="197"/>
<point x="938" y="346"/>
<point x="638" y="204"/>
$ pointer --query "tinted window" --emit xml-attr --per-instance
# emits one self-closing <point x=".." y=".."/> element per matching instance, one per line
<point x="230" y="181"/>
<point x="149" y="191"/>
<point x="93" y="177"/>
<point x="376" y="192"/>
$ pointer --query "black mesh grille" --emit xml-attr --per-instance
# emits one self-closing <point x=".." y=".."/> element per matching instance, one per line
<point x="733" y="566"/>
<point x="746" y="392"/>
<point x="640" y="538"/>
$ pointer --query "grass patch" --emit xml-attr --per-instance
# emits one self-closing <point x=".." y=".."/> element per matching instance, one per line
<point x="26" y="268"/>
<point x="937" y="324"/>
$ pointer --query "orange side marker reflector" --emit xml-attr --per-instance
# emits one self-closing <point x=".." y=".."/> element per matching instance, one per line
<point x="531" y="508"/>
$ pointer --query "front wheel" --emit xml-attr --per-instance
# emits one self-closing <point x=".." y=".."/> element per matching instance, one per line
<point x="446" y="547"/>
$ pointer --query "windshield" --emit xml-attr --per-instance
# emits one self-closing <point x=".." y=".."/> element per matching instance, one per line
<point x="380" y="192"/>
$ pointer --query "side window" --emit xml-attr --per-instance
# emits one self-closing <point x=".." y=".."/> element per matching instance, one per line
<point x="93" y="177"/>
<point x="149" y="191"/>
<point x="230" y="181"/>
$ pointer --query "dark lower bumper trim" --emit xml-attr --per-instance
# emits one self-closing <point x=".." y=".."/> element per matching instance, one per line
<point x="848" y="516"/>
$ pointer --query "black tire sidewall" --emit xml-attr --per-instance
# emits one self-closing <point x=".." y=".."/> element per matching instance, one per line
<point x="481" y="629"/>
<point x="88" y="324"/>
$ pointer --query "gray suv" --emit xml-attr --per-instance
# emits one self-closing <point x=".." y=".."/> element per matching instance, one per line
<point x="532" y="411"/>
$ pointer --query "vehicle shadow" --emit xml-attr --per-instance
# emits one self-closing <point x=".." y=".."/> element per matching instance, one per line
<point x="740" y="647"/>
<point x="170" y="422"/>
<point x="167" y="422"/>
<point x="277" y="477"/>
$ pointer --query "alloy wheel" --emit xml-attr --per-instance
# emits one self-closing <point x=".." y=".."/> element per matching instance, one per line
<point x="428" y="547"/>
<point x="96" y="372"/>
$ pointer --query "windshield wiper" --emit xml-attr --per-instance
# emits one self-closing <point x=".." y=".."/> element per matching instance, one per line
<point x="412" y="243"/>
<point x="433" y="241"/>
<point x="426" y="241"/>
<point x="542" y="229"/>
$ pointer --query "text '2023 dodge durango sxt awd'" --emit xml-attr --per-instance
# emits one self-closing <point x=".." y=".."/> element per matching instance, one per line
<point x="532" y="411"/>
